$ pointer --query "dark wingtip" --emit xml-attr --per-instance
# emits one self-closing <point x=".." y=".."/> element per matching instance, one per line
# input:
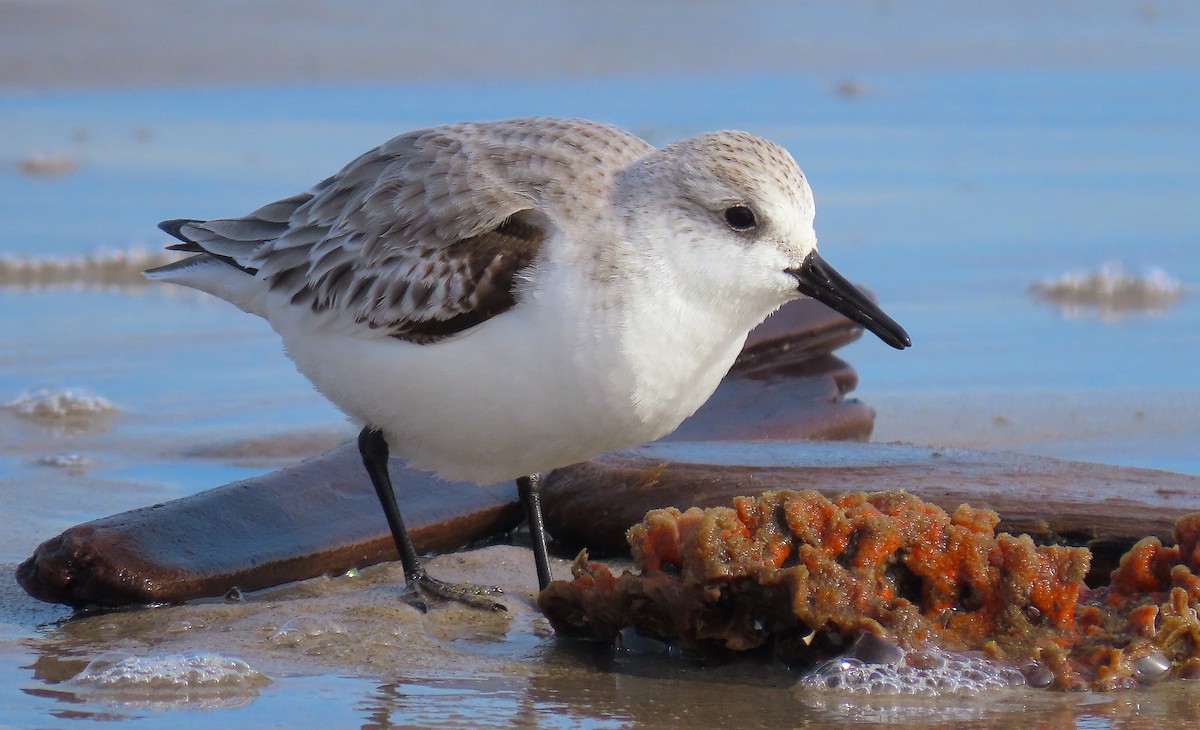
<point x="175" y="227"/>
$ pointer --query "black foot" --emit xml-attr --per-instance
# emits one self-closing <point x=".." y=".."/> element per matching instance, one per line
<point x="476" y="596"/>
<point x="374" y="450"/>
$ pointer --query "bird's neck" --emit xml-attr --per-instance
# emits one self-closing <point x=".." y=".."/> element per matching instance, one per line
<point x="679" y="345"/>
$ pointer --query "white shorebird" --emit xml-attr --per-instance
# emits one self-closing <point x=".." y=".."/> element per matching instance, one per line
<point x="496" y="299"/>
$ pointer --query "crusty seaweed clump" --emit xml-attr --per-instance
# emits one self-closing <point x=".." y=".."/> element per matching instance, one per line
<point x="776" y="568"/>
<point x="1147" y="613"/>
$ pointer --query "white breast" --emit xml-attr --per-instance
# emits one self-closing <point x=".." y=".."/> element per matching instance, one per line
<point x="572" y="371"/>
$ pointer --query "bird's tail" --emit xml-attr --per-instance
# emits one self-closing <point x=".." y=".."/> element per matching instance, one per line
<point x="224" y="248"/>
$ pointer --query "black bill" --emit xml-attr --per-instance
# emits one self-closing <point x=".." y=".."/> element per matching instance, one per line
<point x="822" y="282"/>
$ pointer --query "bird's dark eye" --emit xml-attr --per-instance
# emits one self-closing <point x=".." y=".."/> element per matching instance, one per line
<point x="740" y="218"/>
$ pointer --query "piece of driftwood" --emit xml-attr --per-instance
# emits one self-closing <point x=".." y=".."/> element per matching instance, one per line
<point x="1103" y="507"/>
<point x="316" y="517"/>
<point x="322" y="515"/>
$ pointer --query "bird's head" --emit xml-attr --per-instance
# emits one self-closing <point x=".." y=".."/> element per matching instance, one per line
<point x="731" y="216"/>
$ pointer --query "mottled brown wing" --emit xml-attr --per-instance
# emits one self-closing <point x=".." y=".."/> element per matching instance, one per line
<point x="423" y="236"/>
<point x="482" y="269"/>
<point x="416" y="238"/>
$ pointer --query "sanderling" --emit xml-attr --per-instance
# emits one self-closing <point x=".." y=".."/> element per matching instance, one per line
<point x="496" y="299"/>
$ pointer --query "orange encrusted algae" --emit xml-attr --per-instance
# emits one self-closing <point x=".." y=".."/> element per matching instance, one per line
<point x="1149" y="605"/>
<point x="1187" y="538"/>
<point x="775" y="568"/>
<point x="793" y="571"/>
<point x="1145" y="567"/>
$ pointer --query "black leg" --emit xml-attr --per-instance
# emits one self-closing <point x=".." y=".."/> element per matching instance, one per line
<point x="373" y="448"/>
<point x="531" y="498"/>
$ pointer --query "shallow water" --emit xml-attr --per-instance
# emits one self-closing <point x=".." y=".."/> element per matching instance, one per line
<point x="347" y="649"/>
<point x="948" y="192"/>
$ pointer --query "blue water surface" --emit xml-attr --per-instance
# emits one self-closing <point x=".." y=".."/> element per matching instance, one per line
<point x="947" y="193"/>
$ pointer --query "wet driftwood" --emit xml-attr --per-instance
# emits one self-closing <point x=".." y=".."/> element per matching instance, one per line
<point x="317" y="517"/>
<point x="322" y="516"/>
<point x="1106" y="508"/>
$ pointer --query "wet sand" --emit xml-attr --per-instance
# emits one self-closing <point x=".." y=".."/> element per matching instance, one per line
<point x="353" y="635"/>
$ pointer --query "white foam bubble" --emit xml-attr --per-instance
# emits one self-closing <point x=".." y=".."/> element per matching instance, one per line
<point x="197" y="680"/>
<point x="311" y="634"/>
<point x="1110" y="291"/>
<point x="72" y="462"/>
<point x="60" y="404"/>
<point x="187" y="671"/>
<point x="120" y="267"/>
<point x="928" y="671"/>
<point x="198" y="669"/>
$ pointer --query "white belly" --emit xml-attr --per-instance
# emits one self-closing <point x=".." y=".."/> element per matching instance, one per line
<point x="535" y="388"/>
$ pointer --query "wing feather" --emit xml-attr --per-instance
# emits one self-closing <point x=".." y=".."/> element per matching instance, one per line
<point x="424" y="236"/>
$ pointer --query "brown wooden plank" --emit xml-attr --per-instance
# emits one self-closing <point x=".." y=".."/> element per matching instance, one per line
<point x="592" y="504"/>
<point x="316" y="517"/>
